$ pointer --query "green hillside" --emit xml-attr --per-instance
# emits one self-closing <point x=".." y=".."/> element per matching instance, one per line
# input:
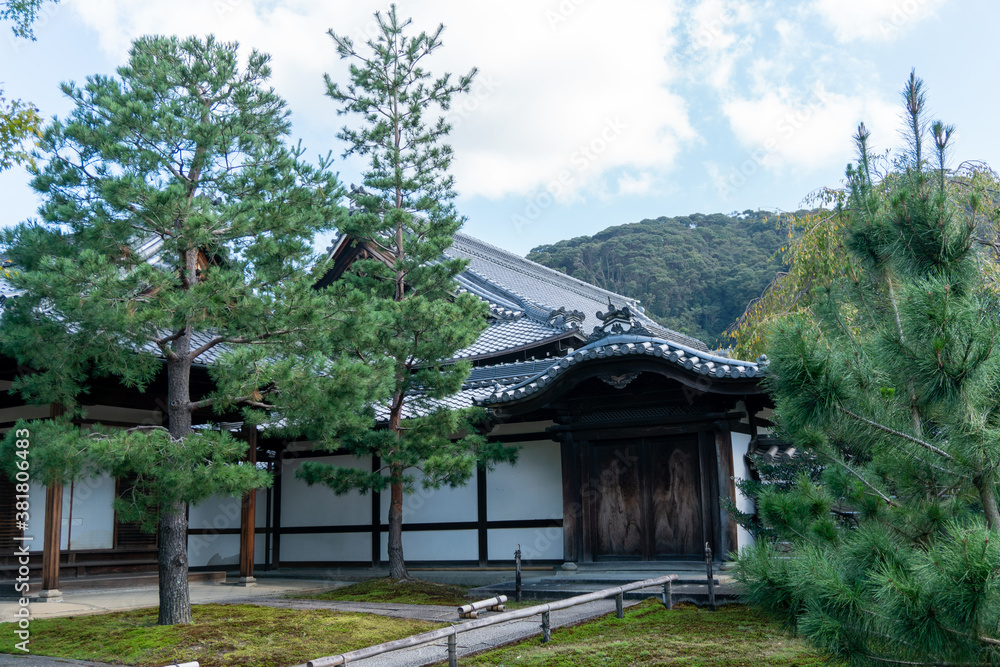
<point x="694" y="274"/>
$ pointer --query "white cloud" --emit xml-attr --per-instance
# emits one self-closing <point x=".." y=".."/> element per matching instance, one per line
<point x="636" y="184"/>
<point x="715" y="35"/>
<point x="553" y="77"/>
<point x="785" y="130"/>
<point x="873" y="20"/>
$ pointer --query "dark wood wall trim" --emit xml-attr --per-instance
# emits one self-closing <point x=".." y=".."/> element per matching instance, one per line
<point x="710" y="490"/>
<point x="514" y="438"/>
<point x="279" y="467"/>
<point x="376" y="519"/>
<point x="572" y="505"/>
<point x="482" y="516"/>
<point x="407" y="527"/>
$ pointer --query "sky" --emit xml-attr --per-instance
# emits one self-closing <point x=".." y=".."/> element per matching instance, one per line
<point x="587" y="113"/>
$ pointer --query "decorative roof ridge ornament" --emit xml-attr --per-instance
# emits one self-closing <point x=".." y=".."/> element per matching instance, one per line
<point x="570" y="319"/>
<point x="617" y="321"/>
<point x="498" y="312"/>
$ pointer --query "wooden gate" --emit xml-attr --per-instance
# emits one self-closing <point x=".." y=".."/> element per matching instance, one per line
<point x="648" y="500"/>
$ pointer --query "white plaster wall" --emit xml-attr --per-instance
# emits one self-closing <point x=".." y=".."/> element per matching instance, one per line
<point x="259" y="554"/>
<point x="327" y="547"/>
<point x="741" y="443"/>
<point x="433" y="545"/>
<point x="213" y="550"/>
<point x="260" y="509"/>
<point x="530" y="489"/>
<point x="768" y="414"/>
<point x="536" y="543"/>
<point x="216" y="512"/>
<point x="317" y="505"/>
<point x="92" y="517"/>
<point x="226" y="512"/>
<point x="442" y="505"/>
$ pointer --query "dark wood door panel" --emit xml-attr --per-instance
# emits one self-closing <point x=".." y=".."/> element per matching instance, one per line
<point x="619" y="500"/>
<point x="676" y="502"/>
<point x="647" y="500"/>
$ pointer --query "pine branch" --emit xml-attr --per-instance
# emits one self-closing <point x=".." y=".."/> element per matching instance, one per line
<point x="899" y="434"/>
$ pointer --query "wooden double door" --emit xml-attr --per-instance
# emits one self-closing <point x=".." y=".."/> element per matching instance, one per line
<point x="649" y="499"/>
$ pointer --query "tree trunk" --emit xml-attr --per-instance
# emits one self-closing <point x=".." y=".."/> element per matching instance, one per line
<point x="987" y="493"/>
<point x="397" y="566"/>
<point x="175" y="599"/>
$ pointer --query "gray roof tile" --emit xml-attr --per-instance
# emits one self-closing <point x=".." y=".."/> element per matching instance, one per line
<point x="501" y="277"/>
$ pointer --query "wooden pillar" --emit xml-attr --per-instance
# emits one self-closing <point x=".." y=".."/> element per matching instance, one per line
<point x="248" y="514"/>
<point x="481" y="516"/>
<point x="53" y="535"/>
<point x="572" y="503"/>
<point x="727" y="489"/>
<point x="376" y="519"/>
<point x="53" y="529"/>
<point x="276" y="509"/>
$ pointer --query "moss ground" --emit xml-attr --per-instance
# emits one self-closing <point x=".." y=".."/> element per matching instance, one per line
<point x="386" y="590"/>
<point x="651" y="635"/>
<point x="221" y="636"/>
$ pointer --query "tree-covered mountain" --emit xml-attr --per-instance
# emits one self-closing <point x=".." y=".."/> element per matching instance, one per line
<point x="695" y="274"/>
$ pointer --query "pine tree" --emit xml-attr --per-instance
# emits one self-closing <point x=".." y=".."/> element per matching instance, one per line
<point x="405" y="212"/>
<point x="177" y="230"/>
<point x="890" y="378"/>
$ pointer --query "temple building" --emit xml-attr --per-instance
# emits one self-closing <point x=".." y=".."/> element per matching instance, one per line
<point x="631" y="436"/>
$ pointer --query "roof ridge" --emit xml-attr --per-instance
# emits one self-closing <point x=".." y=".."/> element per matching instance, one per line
<point x="556" y="276"/>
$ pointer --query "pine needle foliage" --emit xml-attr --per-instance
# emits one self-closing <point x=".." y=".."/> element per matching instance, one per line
<point x="889" y="378"/>
<point x="416" y="321"/>
<point x="176" y="232"/>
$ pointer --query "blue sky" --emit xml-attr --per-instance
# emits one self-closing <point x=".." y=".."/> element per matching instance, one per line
<point x="590" y="113"/>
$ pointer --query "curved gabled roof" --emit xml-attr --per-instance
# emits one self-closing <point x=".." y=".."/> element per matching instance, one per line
<point x="626" y="345"/>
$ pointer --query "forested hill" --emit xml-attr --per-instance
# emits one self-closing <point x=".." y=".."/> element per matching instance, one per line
<point x="695" y="274"/>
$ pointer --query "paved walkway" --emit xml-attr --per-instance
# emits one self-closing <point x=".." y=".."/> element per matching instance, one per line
<point x="99" y="601"/>
<point x="271" y="592"/>
<point x="475" y="641"/>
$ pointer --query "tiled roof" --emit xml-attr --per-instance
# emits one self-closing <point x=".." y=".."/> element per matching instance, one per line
<point x="7" y="291"/>
<point x="622" y="345"/>
<point x="509" y="334"/>
<point x="515" y="287"/>
<point x="198" y="338"/>
<point x="482" y="382"/>
<point x="500" y="276"/>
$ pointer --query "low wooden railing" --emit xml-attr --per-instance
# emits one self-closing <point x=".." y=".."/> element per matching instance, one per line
<point x="451" y="634"/>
